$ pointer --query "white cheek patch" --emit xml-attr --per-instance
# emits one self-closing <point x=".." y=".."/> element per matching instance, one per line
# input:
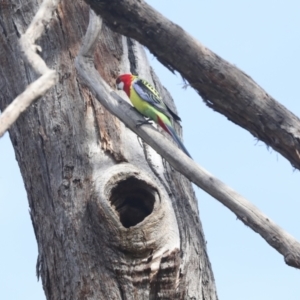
<point x="120" y="85"/>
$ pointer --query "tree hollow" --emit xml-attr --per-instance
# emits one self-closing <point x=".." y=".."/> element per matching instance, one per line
<point x="133" y="200"/>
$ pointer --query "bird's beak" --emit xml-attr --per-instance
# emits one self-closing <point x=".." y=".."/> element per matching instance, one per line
<point x="120" y="85"/>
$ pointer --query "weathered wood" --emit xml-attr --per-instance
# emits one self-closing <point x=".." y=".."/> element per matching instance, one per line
<point x="29" y="50"/>
<point x="222" y="86"/>
<point x="89" y="179"/>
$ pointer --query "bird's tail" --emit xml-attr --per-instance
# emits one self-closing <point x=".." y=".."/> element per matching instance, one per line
<point x="177" y="139"/>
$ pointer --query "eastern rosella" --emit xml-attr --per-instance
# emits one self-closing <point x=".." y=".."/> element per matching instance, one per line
<point x="149" y="103"/>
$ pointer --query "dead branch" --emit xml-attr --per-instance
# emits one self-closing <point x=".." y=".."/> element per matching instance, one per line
<point x="280" y="240"/>
<point x="29" y="51"/>
<point x="222" y="86"/>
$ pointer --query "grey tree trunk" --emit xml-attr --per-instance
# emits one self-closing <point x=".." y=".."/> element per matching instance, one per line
<point x="112" y="219"/>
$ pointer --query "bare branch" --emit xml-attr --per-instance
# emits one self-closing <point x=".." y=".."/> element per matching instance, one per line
<point x="284" y="243"/>
<point x="222" y="86"/>
<point x="29" y="50"/>
<point x="35" y="90"/>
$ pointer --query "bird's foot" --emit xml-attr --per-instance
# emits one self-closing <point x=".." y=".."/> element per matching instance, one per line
<point x="140" y="123"/>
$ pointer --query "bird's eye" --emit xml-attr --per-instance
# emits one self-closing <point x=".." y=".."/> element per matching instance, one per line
<point x="118" y="80"/>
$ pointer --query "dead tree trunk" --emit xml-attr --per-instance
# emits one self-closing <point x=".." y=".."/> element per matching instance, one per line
<point x="112" y="219"/>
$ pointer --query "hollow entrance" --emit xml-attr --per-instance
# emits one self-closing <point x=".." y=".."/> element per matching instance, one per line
<point x="133" y="200"/>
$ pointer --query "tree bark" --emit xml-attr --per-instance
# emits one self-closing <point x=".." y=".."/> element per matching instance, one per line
<point x="112" y="220"/>
<point x="222" y="86"/>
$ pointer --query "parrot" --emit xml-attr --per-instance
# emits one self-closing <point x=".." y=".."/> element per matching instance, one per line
<point x="146" y="99"/>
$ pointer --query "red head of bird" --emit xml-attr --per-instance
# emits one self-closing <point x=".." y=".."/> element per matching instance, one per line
<point x="124" y="82"/>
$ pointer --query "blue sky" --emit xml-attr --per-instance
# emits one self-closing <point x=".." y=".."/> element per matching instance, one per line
<point x="262" y="39"/>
